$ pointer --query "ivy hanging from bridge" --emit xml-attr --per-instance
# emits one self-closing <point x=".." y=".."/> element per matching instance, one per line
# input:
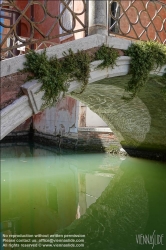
<point x="145" y="57"/>
<point x="55" y="74"/>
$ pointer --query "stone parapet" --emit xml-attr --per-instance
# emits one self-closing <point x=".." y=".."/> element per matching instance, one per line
<point x="12" y="65"/>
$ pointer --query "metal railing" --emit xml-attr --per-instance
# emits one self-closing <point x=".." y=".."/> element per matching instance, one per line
<point x="31" y="24"/>
<point x="138" y="19"/>
<point x="36" y="24"/>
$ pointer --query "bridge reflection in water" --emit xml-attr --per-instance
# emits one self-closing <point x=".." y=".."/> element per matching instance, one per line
<point x="108" y="199"/>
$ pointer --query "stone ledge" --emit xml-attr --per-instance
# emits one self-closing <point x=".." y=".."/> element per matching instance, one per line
<point x="85" y="129"/>
<point x="12" y="65"/>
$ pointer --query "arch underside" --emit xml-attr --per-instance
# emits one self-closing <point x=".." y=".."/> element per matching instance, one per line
<point x="137" y="123"/>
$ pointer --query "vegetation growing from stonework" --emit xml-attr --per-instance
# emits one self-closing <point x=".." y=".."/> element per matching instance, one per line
<point x="145" y="57"/>
<point x="108" y="55"/>
<point x="55" y="74"/>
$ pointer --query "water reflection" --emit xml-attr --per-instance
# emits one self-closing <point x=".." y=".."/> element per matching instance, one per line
<point x="107" y="198"/>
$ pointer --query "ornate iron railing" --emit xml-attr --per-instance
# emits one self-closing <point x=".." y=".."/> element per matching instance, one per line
<point x="35" y="24"/>
<point x="31" y="24"/>
<point x="138" y="19"/>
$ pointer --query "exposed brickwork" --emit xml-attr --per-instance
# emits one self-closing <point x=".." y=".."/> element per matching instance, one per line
<point x="25" y="126"/>
<point x="96" y="140"/>
<point x="10" y="88"/>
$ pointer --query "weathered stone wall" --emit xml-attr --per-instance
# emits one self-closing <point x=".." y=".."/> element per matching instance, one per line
<point x="84" y="140"/>
<point x="58" y="120"/>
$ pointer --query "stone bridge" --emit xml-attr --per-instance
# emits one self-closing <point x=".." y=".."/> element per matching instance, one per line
<point x="138" y="123"/>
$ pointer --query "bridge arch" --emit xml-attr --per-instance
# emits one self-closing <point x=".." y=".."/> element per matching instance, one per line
<point x="137" y="123"/>
<point x="31" y="103"/>
<point x="129" y="120"/>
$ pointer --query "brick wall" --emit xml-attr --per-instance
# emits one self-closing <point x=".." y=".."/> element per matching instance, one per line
<point x="10" y="88"/>
<point x="99" y="141"/>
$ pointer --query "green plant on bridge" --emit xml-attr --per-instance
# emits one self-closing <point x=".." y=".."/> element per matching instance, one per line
<point x="55" y="74"/>
<point x="145" y="57"/>
<point x="108" y="55"/>
<point x="77" y="67"/>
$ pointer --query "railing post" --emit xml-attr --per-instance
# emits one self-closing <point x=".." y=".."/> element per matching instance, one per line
<point x="98" y="17"/>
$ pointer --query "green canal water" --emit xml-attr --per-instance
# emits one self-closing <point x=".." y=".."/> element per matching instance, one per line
<point x="57" y="199"/>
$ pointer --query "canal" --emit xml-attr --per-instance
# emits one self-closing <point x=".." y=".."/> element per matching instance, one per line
<point x="59" y="199"/>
